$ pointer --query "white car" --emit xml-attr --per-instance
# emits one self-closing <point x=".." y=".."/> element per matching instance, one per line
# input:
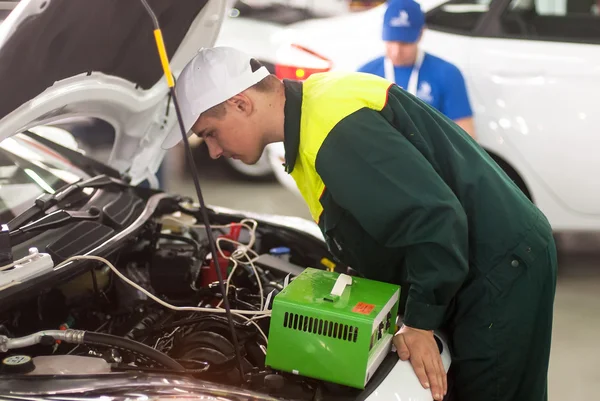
<point x="532" y="73"/>
<point x="109" y="289"/>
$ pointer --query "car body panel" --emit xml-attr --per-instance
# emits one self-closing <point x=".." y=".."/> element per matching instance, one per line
<point x="141" y="387"/>
<point x="411" y="388"/>
<point x="124" y="386"/>
<point x="557" y="135"/>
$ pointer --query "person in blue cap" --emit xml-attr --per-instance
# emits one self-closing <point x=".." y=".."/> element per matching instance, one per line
<point x="432" y="79"/>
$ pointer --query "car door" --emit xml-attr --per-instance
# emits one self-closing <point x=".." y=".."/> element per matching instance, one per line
<point x="538" y="68"/>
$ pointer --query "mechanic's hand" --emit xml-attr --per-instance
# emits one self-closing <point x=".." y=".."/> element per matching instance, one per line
<point x="420" y="348"/>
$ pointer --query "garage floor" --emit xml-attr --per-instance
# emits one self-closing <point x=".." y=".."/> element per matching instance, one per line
<point x="575" y="359"/>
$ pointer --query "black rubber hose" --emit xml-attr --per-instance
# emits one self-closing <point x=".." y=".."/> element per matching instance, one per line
<point x="187" y="240"/>
<point x="93" y="338"/>
<point x="147" y="322"/>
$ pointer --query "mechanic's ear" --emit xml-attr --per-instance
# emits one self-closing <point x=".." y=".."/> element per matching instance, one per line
<point x="241" y="103"/>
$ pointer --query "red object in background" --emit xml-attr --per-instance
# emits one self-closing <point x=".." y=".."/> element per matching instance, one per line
<point x="296" y="73"/>
<point x="234" y="232"/>
<point x="209" y="272"/>
<point x="299" y="72"/>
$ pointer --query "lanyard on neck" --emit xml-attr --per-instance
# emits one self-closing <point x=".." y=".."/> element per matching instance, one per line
<point x="390" y="74"/>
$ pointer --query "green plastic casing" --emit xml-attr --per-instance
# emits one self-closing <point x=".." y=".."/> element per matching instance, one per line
<point x="340" y="339"/>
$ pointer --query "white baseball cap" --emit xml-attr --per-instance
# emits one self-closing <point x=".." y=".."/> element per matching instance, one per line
<point x="210" y="78"/>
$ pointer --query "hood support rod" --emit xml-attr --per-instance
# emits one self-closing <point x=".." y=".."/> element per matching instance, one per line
<point x="190" y="160"/>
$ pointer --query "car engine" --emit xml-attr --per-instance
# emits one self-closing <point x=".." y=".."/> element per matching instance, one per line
<point x="144" y="311"/>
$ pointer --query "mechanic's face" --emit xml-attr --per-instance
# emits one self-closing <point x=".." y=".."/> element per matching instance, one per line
<point x="237" y="134"/>
<point x="401" y="53"/>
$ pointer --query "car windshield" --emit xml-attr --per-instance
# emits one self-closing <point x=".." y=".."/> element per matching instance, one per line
<point x="27" y="170"/>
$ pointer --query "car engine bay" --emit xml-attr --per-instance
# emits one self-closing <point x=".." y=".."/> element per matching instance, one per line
<point x="152" y="303"/>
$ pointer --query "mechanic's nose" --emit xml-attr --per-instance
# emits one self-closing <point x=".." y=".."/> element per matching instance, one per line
<point x="214" y="150"/>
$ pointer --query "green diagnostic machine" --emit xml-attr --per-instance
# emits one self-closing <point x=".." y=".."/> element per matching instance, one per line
<point x="332" y="327"/>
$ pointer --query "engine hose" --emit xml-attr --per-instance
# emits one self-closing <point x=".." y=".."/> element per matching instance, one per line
<point x="147" y="322"/>
<point x="90" y="338"/>
<point x="126" y="344"/>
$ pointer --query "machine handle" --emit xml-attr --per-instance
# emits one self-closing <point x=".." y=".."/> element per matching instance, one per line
<point x="340" y="284"/>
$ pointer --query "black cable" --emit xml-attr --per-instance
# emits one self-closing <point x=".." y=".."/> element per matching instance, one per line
<point x="190" y="159"/>
<point x="181" y="238"/>
<point x="187" y="322"/>
<point x="91" y="338"/>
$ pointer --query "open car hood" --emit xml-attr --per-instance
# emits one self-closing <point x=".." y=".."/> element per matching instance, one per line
<point x="98" y="58"/>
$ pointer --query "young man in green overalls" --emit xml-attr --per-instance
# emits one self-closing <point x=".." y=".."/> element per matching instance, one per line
<point x="403" y="195"/>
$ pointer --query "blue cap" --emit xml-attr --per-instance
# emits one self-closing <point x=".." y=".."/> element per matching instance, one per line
<point x="282" y="250"/>
<point x="403" y="21"/>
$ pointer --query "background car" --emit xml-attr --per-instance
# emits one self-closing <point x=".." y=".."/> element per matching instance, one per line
<point x="531" y="73"/>
<point x="276" y="155"/>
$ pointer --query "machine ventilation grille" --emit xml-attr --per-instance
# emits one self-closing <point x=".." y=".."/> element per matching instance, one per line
<point x="321" y="327"/>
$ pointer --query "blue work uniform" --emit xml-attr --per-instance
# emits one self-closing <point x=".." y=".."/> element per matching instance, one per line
<point x="440" y="84"/>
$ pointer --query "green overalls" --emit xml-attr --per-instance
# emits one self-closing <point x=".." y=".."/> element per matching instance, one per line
<point x="403" y="195"/>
